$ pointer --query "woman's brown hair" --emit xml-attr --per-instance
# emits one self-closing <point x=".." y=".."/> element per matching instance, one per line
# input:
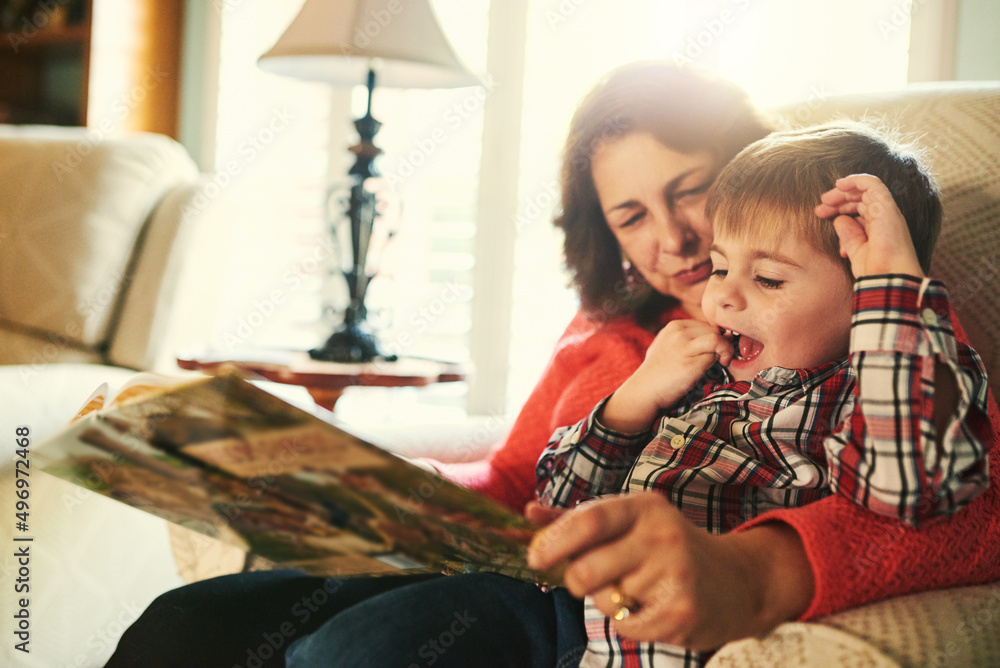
<point x="685" y="109"/>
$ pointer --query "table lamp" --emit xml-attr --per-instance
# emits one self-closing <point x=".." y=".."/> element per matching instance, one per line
<point x="351" y="42"/>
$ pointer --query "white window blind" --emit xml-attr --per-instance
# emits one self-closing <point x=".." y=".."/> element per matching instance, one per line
<point x="272" y="148"/>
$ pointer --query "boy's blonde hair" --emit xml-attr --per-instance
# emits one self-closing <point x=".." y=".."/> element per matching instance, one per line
<point x="779" y="179"/>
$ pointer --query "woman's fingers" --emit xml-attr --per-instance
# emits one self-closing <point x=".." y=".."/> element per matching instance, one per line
<point x="585" y="527"/>
<point x="542" y="515"/>
<point x="620" y="540"/>
<point x="612" y="565"/>
<point x="652" y="569"/>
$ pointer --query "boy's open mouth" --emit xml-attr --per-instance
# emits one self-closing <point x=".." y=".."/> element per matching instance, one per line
<point x="745" y="349"/>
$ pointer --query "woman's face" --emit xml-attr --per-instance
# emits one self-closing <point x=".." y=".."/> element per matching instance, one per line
<point x="653" y="199"/>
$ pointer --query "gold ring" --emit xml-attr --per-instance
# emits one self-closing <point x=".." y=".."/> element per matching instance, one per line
<point x="624" y="606"/>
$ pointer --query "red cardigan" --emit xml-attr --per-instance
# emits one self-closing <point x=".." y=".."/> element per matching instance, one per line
<point x="871" y="558"/>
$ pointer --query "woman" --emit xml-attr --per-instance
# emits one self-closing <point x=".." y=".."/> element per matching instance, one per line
<point x="643" y="150"/>
<point x="643" y="265"/>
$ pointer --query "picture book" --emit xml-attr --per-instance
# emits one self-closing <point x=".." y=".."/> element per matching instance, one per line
<point x="223" y="457"/>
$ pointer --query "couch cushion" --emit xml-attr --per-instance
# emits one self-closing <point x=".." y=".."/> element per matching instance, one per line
<point x="949" y="627"/>
<point x="72" y="210"/>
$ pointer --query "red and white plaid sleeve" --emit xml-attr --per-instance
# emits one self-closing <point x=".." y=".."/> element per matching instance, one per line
<point x="885" y="455"/>
<point x="585" y="461"/>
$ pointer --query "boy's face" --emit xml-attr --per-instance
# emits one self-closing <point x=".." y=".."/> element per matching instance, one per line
<point x="787" y="305"/>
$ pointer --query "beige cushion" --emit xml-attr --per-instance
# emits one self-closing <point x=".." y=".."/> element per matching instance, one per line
<point x="804" y="646"/>
<point x="951" y="627"/>
<point x="147" y="307"/>
<point x="72" y="213"/>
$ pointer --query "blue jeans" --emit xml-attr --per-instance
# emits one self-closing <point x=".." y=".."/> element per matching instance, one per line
<point x="249" y="620"/>
<point x="465" y="620"/>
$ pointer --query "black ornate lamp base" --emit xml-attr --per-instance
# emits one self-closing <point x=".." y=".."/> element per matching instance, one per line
<point x="352" y="344"/>
<point x="355" y="342"/>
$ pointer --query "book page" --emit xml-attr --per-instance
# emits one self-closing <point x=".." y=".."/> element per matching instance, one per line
<point x="289" y="486"/>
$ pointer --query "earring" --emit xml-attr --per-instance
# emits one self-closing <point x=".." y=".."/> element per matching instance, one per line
<point x="632" y="275"/>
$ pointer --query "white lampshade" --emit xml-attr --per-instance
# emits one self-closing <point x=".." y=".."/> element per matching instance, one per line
<point x="336" y="41"/>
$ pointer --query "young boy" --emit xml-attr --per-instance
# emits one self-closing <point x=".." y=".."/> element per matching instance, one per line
<point x="827" y="363"/>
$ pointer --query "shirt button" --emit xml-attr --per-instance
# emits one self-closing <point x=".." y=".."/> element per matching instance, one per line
<point x="676" y="442"/>
<point x="929" y="317"/>
<point x="710" y="409"/>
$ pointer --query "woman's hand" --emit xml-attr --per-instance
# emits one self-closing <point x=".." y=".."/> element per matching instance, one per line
<point x="541" y="514"/>
<point x="692" y="588"/>
<point x="679" y="355"/>
<point x="873" y="234"/>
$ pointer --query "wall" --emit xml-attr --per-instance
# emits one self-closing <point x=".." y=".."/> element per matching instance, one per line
<point x="977" y="56"/>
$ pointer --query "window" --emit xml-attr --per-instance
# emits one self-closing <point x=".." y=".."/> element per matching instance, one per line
<point x="288" y="140"/>
<point x="281" y="142"/>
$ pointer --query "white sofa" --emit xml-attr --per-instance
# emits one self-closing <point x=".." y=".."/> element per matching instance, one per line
<point x="92" y="236"/>
<point x="96" y="564"/>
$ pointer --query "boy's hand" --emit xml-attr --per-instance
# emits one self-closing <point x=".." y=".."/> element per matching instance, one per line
<point x="679" y="355"/>
<point x="873" y="234"/>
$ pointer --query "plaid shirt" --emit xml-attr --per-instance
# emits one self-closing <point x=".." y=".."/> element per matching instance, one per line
<point x="862" y="427"/>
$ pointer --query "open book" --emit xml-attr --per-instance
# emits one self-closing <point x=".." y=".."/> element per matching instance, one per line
<point x="225" y="458"/>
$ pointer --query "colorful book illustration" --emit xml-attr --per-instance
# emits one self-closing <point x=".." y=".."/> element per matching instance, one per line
<point x="223" y="457"/>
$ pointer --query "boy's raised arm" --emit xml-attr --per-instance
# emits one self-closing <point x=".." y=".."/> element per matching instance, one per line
<point x="913" y="447"/>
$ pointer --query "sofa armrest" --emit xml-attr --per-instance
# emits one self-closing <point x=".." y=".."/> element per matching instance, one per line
<point x="949" y="627"/>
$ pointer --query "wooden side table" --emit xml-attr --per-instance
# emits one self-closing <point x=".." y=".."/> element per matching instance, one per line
<point x="326" y="381"/>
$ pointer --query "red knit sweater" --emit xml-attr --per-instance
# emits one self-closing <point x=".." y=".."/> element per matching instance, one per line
<point x="590" y="361"/>
<point x="857" y="557"/>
